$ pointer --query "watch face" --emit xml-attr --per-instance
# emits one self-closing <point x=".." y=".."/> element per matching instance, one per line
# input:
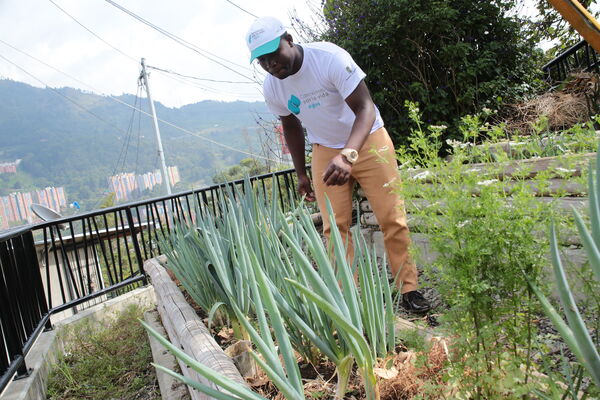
<point x="351" y="155"/>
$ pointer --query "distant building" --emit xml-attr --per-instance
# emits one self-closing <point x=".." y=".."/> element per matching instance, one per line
<point x="14" y="208"/>
<point x="10" y="167"/>
<point x="123" y="185"/>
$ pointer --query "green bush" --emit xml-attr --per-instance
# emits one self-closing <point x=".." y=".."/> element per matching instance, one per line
<point x="485" y="226"/>
<point x="453" y="57"/>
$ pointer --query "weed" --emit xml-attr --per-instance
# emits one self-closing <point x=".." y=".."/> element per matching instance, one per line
<point x="486" y="225"/>
<point x="109" y="362"/>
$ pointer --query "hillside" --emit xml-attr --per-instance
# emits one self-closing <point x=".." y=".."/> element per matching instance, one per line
<point x="61" y="144"/>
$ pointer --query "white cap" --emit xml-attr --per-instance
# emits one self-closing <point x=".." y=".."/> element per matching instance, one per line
<point x="264" y="36"/>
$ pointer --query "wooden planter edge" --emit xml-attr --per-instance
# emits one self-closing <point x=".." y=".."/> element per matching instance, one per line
<point x="187" y="331"/>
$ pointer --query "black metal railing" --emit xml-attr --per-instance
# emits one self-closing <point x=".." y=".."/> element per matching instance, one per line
<point x="580" y="57"/>
<point x="69" y="264"/>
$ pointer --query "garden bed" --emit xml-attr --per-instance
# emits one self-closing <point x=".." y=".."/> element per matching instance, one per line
<point x="271" y="276"/>
<point x="197" y="340"/>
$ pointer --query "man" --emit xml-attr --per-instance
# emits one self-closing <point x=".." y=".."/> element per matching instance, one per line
<point x="319" y="85"/>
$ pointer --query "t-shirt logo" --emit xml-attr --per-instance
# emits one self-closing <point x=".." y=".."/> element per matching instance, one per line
<point x="294" y="105"/>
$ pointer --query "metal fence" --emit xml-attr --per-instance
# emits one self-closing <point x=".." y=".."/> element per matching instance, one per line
<point x="60" y="267"/>
<point x="581" y="57"/>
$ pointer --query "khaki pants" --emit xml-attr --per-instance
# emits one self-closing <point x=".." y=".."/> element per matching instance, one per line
<point x="374" y="177"/>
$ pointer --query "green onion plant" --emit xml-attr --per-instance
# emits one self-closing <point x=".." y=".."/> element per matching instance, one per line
<point x="289" y="292"/>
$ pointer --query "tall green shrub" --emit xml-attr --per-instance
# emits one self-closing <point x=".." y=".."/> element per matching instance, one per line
<point x="453" y="57"/>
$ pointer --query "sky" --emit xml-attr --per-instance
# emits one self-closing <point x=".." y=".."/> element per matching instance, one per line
<point x="107" y="61"/>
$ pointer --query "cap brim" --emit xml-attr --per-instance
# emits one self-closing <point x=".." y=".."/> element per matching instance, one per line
<point x="266" y="48"/>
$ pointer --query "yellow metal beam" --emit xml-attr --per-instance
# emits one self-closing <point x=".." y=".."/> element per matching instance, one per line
<point x="580" y="19"/>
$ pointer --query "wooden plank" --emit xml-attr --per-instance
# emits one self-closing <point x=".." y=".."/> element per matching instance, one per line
<point x="187" y="331"/>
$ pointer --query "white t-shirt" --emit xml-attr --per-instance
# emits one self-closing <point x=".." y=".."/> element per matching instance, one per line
<point x="316" y="94"/>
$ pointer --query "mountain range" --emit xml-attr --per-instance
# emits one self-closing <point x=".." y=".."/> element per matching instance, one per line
<point x="76" y="139"/>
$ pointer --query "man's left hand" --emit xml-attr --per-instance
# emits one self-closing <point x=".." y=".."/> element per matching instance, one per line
<point x="337" y="171"/>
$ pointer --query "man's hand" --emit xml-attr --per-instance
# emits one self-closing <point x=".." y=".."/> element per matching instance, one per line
<point x="305" y="188"/>
<point x="337" y="171"/>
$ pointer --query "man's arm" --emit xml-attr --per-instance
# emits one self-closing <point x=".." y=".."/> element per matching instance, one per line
<point x="360" y="102"/>
<point x="294" y="137"/>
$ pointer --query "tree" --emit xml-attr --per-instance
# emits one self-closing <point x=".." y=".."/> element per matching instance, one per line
<point x="246" y="167"/>
<point x="551" y="26"/>
<point x="452" y="57"/>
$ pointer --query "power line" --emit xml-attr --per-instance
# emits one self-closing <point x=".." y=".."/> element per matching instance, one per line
<point x="247" y="12"/>
<point x="164" y="70"/>
<point x="133" y="59"/>
<point x="125" y="147"/>
<point x="90" y="31"/>
<point x="185" y="81"/>
<point x="121" y="102"/>
<point x="183" y="42"/>
<point x="168" y="71"/>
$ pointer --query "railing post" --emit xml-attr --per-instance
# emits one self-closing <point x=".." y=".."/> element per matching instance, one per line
<point x="23" y="372"/>
<point x="136" y="245"/>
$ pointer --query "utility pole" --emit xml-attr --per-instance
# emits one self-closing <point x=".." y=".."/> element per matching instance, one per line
<point x="161" y="153"/>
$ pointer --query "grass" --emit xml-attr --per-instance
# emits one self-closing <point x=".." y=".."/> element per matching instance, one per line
<point x="110" y="360"/>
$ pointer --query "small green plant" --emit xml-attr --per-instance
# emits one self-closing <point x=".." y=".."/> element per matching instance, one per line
<point x="574" y="330"/>
<point x="483" y="223"/>
<point x="105" y="363"/>
<point x="412" y="339"/>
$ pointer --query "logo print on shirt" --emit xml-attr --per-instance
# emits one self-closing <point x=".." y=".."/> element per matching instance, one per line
<point x="294" y="104"/>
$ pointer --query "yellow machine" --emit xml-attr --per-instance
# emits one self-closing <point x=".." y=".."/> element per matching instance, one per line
<point x="580" y="19"/>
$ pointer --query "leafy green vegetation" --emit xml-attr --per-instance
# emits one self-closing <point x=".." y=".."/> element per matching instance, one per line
<point x="484" y="231"/>
<point x="574" y="330"/>
<point x="246" y="167"/>
<point x="481" y="211"/>
<point x="108" y="362"/>
<point x="487" y="223"/>
<point x="258" y="262"/>
<point x="452" y="57"/>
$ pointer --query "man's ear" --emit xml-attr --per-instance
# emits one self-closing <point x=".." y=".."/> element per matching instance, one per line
<point x="288" y="38"/>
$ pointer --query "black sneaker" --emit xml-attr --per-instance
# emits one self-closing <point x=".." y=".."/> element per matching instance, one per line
<point x="415" y="302"/>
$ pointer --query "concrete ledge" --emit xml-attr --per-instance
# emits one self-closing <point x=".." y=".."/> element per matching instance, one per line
<point x="170" y="388"/>
<point x="49" y="345"/>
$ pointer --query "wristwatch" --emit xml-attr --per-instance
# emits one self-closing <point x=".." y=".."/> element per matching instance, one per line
<point x="350" y="154"/>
